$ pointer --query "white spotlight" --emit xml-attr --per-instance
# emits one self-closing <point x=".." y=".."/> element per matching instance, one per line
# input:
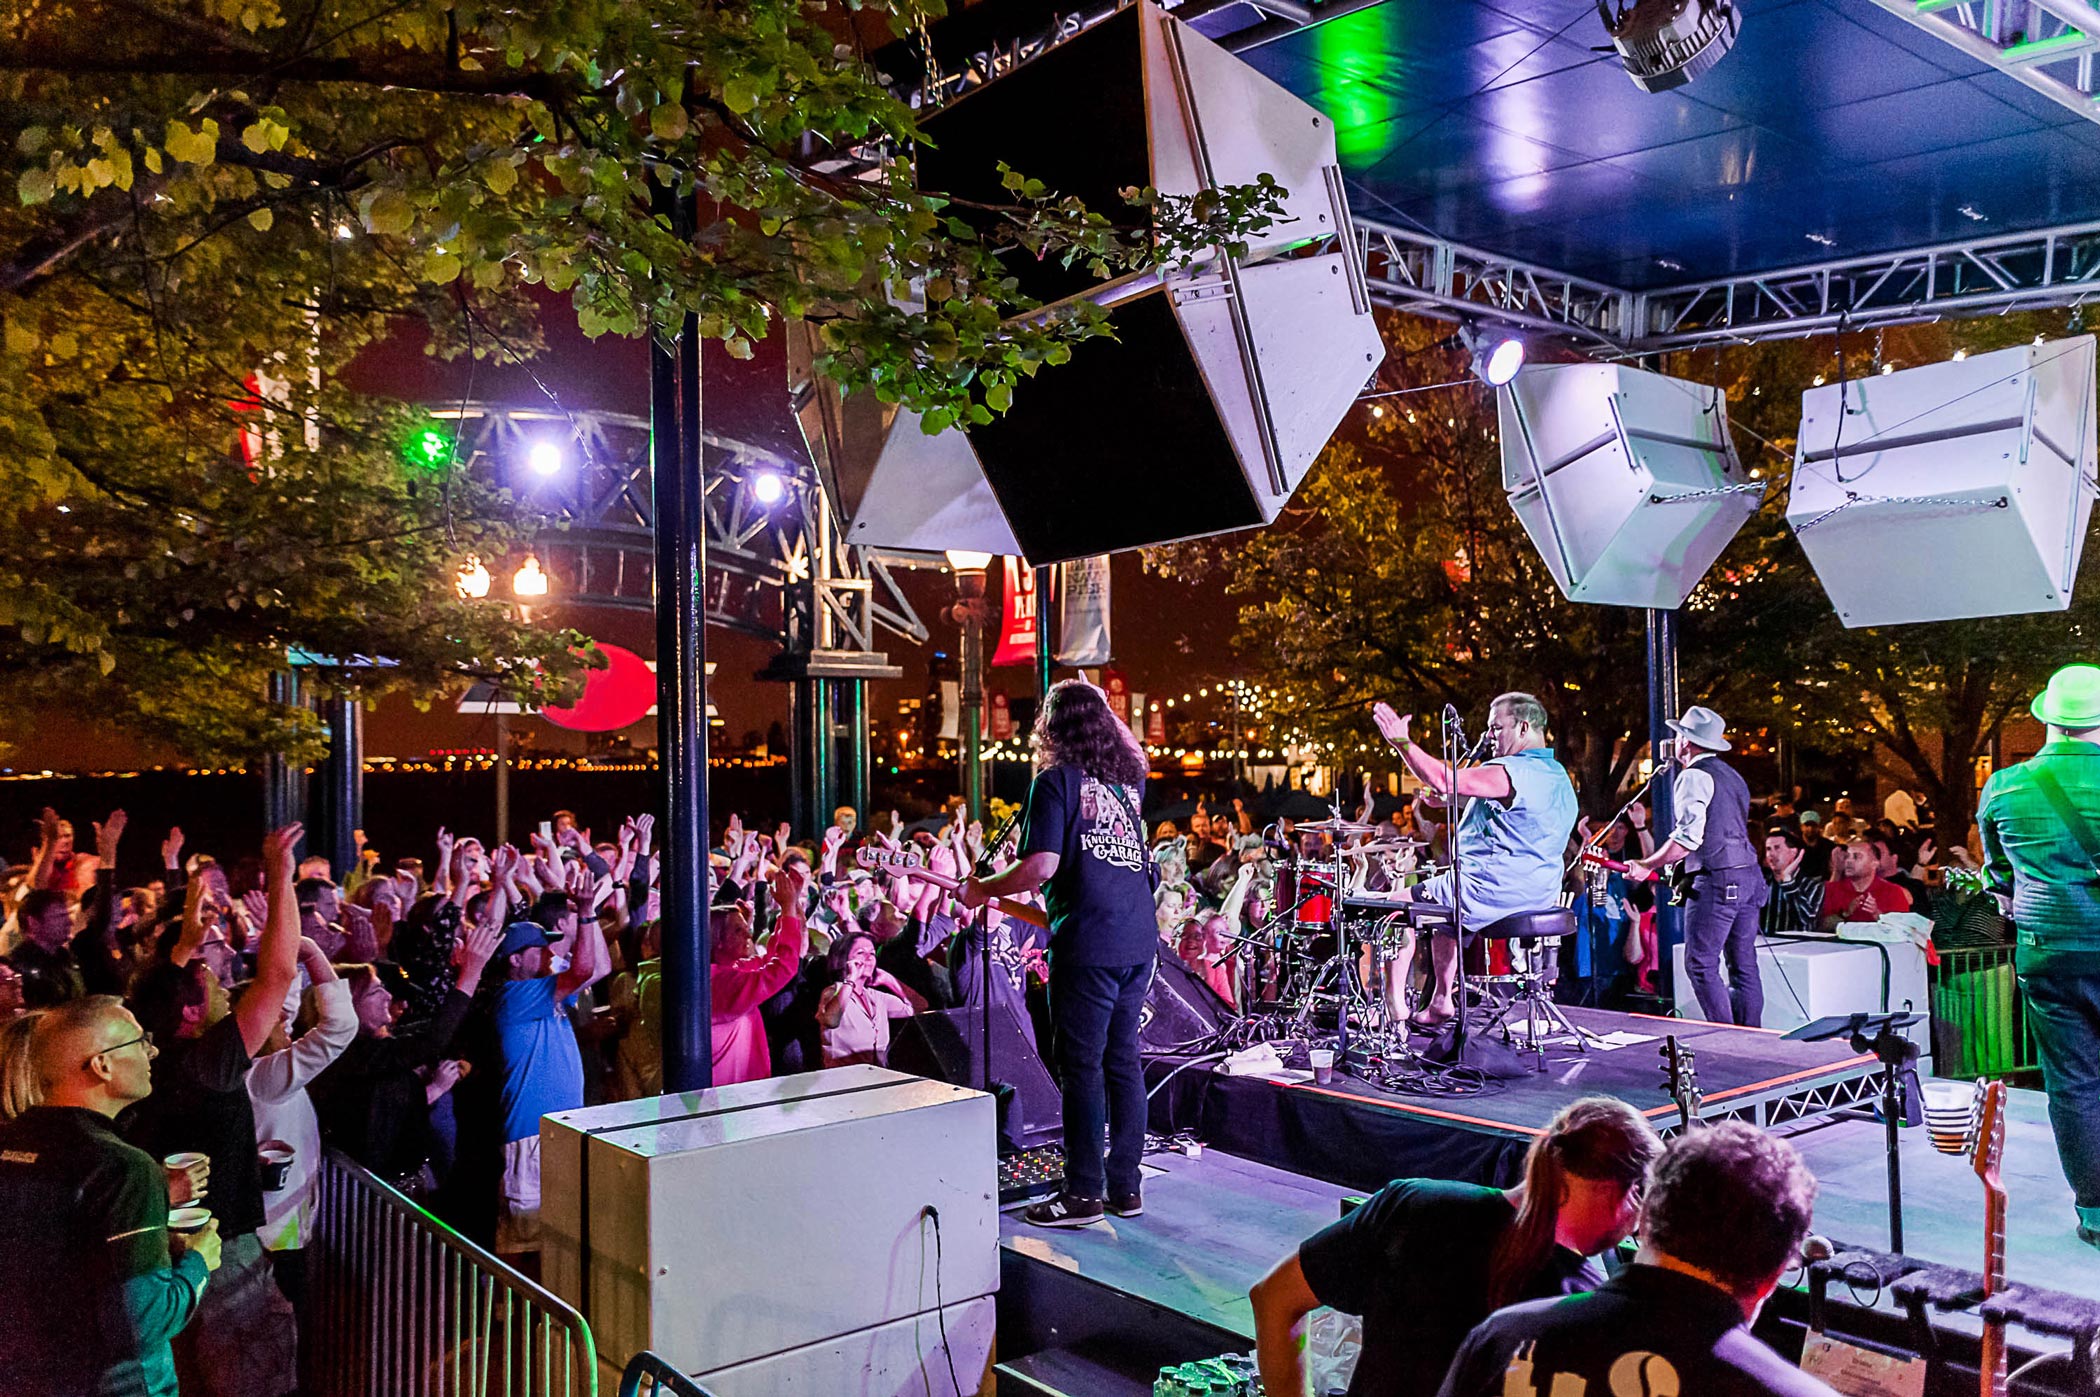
<point x="767" y="487"/>
<point x="545" y="458"/>
<point x="1501" y="363"/>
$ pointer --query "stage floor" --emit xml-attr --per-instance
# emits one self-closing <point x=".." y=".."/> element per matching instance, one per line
<point x="1942" y="1201"/>
<point x="1214" y="1225"/>
<point x="1359" y="1134"/>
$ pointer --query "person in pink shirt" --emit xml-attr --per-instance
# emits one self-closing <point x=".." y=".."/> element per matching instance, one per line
<point x="742" y="978"/>
<point x="855" y="1013"/>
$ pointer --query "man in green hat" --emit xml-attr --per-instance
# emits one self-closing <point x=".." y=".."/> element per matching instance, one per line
<point x="2040" y="822"/>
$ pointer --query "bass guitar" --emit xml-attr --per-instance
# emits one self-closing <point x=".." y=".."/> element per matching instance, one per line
<point x="1990" y="1150"/>
<point x="906" y="863"/>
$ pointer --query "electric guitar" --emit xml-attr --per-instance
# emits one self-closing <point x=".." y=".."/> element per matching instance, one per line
<point x="1671" y="877"/>
<point x="907" y="863"/>
<point x="1681" y="1080"/>
<point x="1990" y="1149"/>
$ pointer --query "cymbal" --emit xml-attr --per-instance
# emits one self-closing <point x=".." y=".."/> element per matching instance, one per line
<point x="1387" y="846"/>
<point x="1331" y="826"/>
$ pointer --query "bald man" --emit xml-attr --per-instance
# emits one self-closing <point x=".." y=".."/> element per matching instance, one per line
<point x="92" y="1284"/>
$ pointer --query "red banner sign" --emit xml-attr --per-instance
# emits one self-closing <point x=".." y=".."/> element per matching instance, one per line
<point x="1118" y="690"/>
<point x="1017" y="629"/>
<point x="1001" y="716"/>
<point x="1156" y="726"/>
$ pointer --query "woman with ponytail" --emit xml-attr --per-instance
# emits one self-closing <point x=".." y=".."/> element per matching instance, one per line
<point x="1424" y="1260"/>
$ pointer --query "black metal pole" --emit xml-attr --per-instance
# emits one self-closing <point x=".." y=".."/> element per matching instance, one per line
<point x="681" y="699"/>
<point x="1662" y="706"/>
<point x="283" y="782"/>
<point x="343" y="782"/>
<point x="1043" y="652"/>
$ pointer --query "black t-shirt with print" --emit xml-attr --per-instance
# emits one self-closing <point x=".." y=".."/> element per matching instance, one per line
<point x="1100" y="898"/>
<point x="1413" y="1261"/>
<point x="1646" y="1330"/>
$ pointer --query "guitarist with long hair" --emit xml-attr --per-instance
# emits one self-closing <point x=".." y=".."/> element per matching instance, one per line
<point x="1083" y="843"/>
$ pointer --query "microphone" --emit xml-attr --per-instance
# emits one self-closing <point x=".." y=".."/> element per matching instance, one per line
<point x="1816" y="1248"/>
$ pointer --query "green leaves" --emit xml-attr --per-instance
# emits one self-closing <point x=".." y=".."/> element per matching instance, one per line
<point x="198" y="146"/>
<point x="388" y="211"/>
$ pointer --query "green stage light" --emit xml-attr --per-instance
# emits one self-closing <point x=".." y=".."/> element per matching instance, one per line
<point x="431" y="449"/>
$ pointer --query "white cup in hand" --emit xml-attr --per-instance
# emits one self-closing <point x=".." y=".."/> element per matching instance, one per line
<point x="189" y="1176"/>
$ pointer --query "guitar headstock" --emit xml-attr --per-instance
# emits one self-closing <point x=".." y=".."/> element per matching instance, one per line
<point x="1990" y="1136"/>
<point x="1681" y="1078"/>
<point x="883" y="860"/>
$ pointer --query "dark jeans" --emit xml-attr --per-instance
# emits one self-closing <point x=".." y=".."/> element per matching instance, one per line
<point x="1094" y="1012"/>
<point x="1720" y="921"/>
<point x="2063" y="1012"/>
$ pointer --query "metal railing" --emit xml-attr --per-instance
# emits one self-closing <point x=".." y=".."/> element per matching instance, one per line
<point x="1976" y="1001"/>
<point x="400" y="1305"/>
<point x="660" y="1379"/>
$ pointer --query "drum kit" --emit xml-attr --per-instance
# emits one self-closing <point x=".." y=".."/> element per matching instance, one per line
<point x="1331" y="958"/>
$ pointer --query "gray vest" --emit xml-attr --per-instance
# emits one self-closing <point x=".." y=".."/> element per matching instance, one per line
<point x="1727" y="840"/>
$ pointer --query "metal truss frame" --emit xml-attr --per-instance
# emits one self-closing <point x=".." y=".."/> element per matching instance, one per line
<point x="1427" y="275"/>
<point x="1795" y="1101"/>
<point x="2047" y="45"/>
<point x="779" y="572"/>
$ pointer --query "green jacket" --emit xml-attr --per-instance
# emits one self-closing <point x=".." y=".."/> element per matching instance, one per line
<point x="2026" y="844"/>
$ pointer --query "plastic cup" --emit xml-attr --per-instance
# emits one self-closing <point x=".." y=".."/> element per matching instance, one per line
<point x="274" y="1159"/>
<point x="1322" y="1064"/>
<point x="187" y="1221"/>
<point x="1941" y="1097"/>
<point x="183" y="1162"/>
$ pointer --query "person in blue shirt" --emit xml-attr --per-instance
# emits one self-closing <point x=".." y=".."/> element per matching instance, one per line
<point x="1519" y="808"/>
<point x="542" y="1068"/>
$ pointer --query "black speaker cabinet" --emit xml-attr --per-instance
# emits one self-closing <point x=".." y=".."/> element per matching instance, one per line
<point x="1224" y="379"/>
<point x="947" y="1045"/>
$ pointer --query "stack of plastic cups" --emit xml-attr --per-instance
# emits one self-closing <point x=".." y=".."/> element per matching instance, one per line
<point x="1950" y="1114"/>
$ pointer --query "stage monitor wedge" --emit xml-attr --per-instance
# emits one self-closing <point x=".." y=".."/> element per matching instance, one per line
<point x="1223" y="382"/>
<point x="1951" y="490"/>
<point x="1626" y="481"/>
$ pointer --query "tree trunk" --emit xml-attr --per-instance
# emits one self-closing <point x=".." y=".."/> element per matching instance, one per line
<point x="1954" y="798"/>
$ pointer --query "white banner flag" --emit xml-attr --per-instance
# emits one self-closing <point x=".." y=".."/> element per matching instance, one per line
<point x="1082" y="612"/>
<point x="951" y="709"/>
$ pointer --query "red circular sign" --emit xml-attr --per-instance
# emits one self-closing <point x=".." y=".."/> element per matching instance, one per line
<point x="613" y="697"/>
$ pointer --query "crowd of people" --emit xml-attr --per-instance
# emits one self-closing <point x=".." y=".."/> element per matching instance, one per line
<point x="175" y="1054"/>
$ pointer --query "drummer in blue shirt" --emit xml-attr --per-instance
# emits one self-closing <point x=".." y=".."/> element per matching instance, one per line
<point x="1512" y="830"/>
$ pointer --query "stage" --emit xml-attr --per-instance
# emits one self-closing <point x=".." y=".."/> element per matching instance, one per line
<point x="1358" y="1134"/>
<point x="1096" y="1311"/>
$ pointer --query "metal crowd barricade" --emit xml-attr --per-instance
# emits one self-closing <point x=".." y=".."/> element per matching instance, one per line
<point x="400" y="1305"/>
<point x="1976" y="1000"/>
<point x="650" y="1376"/>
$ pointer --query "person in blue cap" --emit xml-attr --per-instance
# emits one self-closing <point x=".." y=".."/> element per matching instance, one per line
<point x="2040" y="822"/>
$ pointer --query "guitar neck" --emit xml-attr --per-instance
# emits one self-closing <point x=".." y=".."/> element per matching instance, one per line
<point x="1019" y="911"/>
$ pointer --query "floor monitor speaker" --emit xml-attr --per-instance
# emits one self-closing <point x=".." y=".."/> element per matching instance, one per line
<point x="1180" y="1011"/>
<point x="947" y="1045"/>
<point x="1950" y="490"/>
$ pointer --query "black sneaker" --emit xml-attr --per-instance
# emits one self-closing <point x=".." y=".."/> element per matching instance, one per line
<point x="1065" y="1210"/>
<point x="1127" y="1205"/>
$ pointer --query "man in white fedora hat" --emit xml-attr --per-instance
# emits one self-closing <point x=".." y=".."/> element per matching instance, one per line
<point x="1711" y="837"/>
<point x="2039" y="820"/>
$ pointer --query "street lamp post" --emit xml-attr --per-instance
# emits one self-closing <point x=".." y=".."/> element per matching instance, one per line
<point x="969" y="612"/>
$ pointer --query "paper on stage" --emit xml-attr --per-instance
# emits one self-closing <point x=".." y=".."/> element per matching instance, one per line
<point x="1620" y="1038"/>
<point x="1860" y="1372"/>
<point x="1891" y="928"/>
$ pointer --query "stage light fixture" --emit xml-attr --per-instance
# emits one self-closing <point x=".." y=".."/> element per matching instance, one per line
<point x="530" y="579"/>
<point x="545" y="458"/>
<point x="1665" y="44"/>
<point x="473" y="581"/>
<point x="1501" y="362"/>
<point x="767" y="487"/>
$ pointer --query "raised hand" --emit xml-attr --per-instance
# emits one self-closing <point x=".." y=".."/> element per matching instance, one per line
<point x="644" y="832"/>
<point x="788" y="884"/>
<point x="107" y="833"/>
<point x="733" y="835"/>
<point x="780" y="836"/>
<point x="47" y="823"/>
<point x="445" y="842"/>
<point x="1926" y="849"/>
<point x="171" y="848"/>
<point x="256" y="905"/>
<point x="542" y="847"/>
<point x="281" y="848"/>
<point x="1391" y="726"/>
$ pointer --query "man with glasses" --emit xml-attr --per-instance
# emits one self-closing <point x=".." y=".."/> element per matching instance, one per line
<point x="92" y="1284"/>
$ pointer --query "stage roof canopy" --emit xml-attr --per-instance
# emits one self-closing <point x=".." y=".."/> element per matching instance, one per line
<point x="1883" y="159"/>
